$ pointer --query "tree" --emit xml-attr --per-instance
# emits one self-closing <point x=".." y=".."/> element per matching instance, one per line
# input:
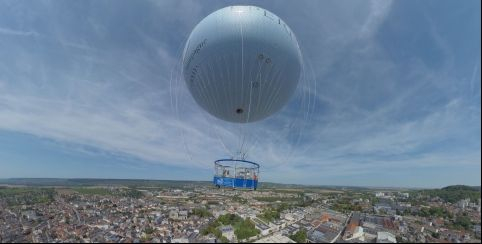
<point x="300" y="236"/>
<point x="149" y="230"/>
<point x="229" y="219"/>
<point x="201" y="212"/>
<point x="270" y="214"/>
<point x="245" y="229"/>
<point x="223" y="239"/>
<point x="463" y="222"/>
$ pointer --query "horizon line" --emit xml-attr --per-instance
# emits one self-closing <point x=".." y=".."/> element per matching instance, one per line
<point x="294" y="184"/>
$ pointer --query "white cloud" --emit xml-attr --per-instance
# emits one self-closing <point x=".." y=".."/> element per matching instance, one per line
<point x="379" y="9"/>
<point x="7" y="31"/>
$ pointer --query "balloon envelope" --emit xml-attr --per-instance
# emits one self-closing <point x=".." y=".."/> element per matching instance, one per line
<point x="242" y="63"/>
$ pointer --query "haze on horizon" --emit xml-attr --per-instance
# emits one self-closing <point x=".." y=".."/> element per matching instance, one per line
<point x="84" y="93"/>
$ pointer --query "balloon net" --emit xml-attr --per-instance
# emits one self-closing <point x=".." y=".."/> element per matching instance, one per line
<point x="275" y="139"/>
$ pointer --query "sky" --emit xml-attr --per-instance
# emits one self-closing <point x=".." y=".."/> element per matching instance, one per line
<point x="389" y="96"/>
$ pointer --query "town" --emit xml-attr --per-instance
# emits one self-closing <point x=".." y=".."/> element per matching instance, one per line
<point x="192" y="212"/>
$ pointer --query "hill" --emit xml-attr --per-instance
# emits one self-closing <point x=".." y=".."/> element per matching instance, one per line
<point x="461" y="188"/>
<point x="454" y="193"/>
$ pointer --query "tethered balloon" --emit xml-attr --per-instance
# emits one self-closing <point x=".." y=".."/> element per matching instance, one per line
<point x="242" y="63"/>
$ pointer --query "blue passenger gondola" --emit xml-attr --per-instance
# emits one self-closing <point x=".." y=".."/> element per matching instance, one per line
<point x="236" y="174"/>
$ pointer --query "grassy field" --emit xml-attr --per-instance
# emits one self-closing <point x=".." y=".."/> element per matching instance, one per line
<point x="92" y="191"/>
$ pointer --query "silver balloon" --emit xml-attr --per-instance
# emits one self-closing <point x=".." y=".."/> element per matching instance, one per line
<point x="242" y="63"/>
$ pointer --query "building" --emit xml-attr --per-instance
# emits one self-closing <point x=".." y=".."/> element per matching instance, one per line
<point x="180" y="240"/>
<point x="178" y="215"/>
<point x="261" y="226"/>
<point x="183" y="215"/>
<point x="463" y="203"/>
<point x="386" y="237"/>
<point x="324" y="234"/>
<point x="227" y="231"/>
<point x="276" y="238"/>
<point x="352" y="227"/>
<point x="173" y="214"/>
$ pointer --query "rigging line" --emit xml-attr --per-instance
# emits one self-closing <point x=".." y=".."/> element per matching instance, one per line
<point x="225" y="93"/>
<point x="306" y="99"/>
<point x="270" y="86"/>
<point x="259" y="87"/>
<point x="300" y="112"/>
<point x="229" y="79"/>
<point x="203" y="75"/>
<point x="309" y="100"/>
<point x="237" y="126"/>
<point x="307" y="82"/>
<point x="315" y="89"/>
<point x="269" y="82"/>
<point x="218" y="91"/>
<point x="174" y="68"/>
<point x="258" y="76"/>
<point x="302" y="124"/>
<point x="300" y="90"/>
<point x="314" y="95"/>
<point x="275" y="90"/>
<point x="203" y="90"/>
<point x="247" y="134"/>
<point x="242" y="79"/>
<point x="202" y="83"/>
<point x="243" y="71"/>
<point x="179" y="71"/>
<point x="170" y="90"/>
<point x="311" y="105"/>
<point x="275" y="95"/>
<point x="216" y="100"/>
<point x="177" y="66"/>
<point x="212" y="87"/>
<point x="273" y="77"/>
<point x="250" y="102"/>
<point x="178" y="81"/>
<point x="208" y="75"/>
<point x="177" y="89"/>
<point x="305" y="118"/>
<point x="221" y="71"/>
<point x="216" y="133"/>
<point x="275" y="98"/>
<point x="288" y="129"/>
<point x="232" y="77"/>
<point x="310" y="93"/>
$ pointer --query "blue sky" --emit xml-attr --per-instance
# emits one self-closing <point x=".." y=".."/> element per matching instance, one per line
<point x="86" y="91"/>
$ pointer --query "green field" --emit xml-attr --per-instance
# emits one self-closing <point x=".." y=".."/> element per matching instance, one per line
<point x="93" y="191"/>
